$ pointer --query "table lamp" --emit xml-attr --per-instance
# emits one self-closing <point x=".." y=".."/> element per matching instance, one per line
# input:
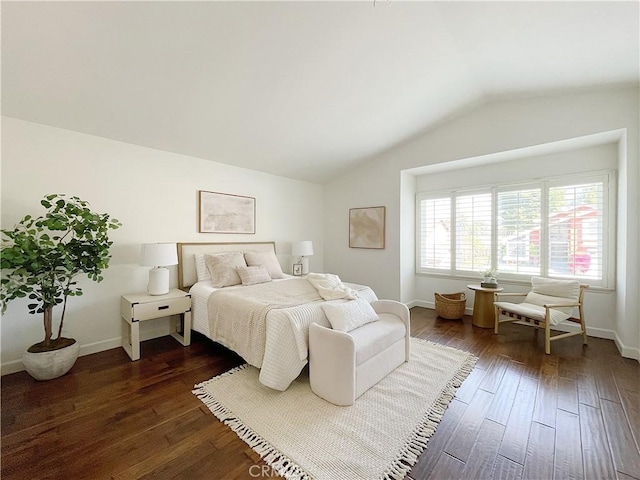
<point x="158" y="256"/>
<point x="302" y="249"/>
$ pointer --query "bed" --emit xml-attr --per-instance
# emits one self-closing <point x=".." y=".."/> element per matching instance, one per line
<point x="266" y="323"/>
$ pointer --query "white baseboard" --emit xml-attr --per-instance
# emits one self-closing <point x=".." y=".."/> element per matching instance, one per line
<point x="12" y="367"/>
<point x="148" y="334"/>
<point x="102" y="346"/>
<point x="417" y="303"/>
<point x="625" y="351"/>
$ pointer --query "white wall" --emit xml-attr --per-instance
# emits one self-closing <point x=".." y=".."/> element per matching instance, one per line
<point x="579" y="160"/>
<point x="154" y="194"/>
<point x="498" y="126"/>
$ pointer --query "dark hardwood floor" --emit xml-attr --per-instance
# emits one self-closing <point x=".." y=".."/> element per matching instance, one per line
<point x="574" y="414"/>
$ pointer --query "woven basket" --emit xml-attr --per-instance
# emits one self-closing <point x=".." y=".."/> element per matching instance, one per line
<point x="450" y="305"/>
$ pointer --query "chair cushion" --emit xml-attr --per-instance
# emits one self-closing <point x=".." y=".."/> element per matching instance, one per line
<point x="556" y="288"/>
<point x="534" y="311"/>
<point x="373" y="338"/>
<point x="552" y="291"/>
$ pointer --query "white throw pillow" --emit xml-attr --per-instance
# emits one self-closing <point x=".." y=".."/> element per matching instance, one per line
<point x="268" y="259"/>
<point x="347" y="316"/>
<point x="202" y="272"/>
<point x="254" y="274"/>
<point x="223" y="268"/>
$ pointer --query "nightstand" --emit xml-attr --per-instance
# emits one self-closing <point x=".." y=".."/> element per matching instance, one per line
<point x="140" y="307"/>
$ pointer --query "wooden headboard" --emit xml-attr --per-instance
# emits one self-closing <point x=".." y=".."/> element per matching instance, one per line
<point x="187" y="262"/>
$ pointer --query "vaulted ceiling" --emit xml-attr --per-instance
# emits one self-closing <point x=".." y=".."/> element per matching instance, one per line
<point x="299" y="89"/>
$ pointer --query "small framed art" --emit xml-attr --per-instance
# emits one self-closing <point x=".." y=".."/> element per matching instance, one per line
<point x="367" y="227"/>
<point x="226" y="213"/>
<point x="297" y="269"/>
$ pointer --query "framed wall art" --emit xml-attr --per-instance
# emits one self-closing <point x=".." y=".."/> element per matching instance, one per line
<point x="367" y="227"/>
<point x="226" y="213"/>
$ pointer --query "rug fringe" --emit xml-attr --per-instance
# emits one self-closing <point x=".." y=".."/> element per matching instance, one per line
<point x="280" y="463"/>
<point x="227" y="373"/>
<point x="419" y="438"/>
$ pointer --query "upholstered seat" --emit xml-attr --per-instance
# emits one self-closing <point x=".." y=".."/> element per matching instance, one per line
<point x="549" y="303"/>
<point x="344" y="365"/>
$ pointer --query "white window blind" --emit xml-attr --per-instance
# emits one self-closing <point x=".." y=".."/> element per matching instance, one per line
<point x="560" y="228"/>
<point x="435" y="233"/>
<point x="519" y="231"/>
<point x="576" y="240"/>
<point x="473" y="232"/>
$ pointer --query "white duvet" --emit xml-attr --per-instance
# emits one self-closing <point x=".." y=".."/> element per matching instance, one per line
<point x="279" y="346"/>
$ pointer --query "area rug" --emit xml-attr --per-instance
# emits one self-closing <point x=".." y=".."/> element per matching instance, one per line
<point x="302" y="436"/>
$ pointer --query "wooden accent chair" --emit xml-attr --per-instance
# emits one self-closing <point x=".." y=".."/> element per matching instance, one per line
<point x="549" y="303"/>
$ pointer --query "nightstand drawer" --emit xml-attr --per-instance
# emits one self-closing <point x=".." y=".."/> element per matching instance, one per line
<point x="170" y="306"/>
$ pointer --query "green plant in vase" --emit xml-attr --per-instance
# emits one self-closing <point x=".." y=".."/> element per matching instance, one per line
<point x="490" y="278"/>
<point x="42" y="258"/>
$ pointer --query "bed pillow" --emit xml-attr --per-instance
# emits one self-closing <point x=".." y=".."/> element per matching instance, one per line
<point x="268" y="259"/>
<point x="254" y="274"/>
<point x="223" y="268"/>
<point x="202" y="272"/>
<point x="347" y="316"/>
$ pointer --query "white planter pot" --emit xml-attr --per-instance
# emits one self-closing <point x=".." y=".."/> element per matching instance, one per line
<point x="50" y="365"/>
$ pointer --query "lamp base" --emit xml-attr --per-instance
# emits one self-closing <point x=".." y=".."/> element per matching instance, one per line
<point x="158" y="281"/>
<point x="305" y="265"/>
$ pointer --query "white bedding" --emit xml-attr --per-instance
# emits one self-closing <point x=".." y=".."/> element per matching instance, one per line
<point x="199" y="295"/>
<point x="286" y="333"/>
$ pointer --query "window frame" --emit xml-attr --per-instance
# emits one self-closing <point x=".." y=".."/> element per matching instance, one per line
<point x="609" y="187"/>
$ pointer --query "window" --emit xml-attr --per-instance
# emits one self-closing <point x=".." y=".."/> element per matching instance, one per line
<point x="576" y="235"/>
<point x="556" y="227"/>
<point x="518" y="235"/>
<point x="435" y="233"/>
<point x="473" y="232"/>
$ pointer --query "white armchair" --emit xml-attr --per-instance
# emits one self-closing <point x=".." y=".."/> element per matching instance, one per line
<point x="344" y="365"/>
<point x="549" y="303"/>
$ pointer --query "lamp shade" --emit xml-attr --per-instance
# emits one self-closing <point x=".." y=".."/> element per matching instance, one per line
<point x="158" y="254"/>
<point x="302" y="249"/>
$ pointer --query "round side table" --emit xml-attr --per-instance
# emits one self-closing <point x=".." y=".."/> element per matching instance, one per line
<point x="483" y="312"/>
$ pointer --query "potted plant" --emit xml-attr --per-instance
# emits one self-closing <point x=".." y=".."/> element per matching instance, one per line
<point x="42" y="258"/>
<point x="490" y="278"/>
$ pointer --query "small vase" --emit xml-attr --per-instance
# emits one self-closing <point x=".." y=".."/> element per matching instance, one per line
<point x="53" y="364"/>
